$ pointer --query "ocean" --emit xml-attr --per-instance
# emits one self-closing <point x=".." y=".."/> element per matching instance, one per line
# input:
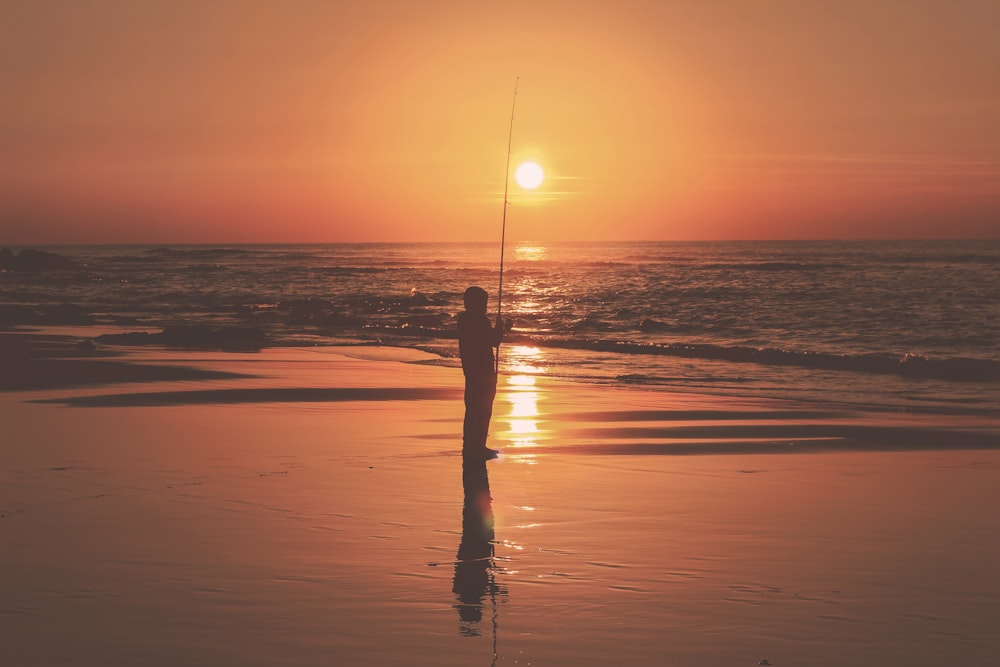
<point x="912" y="325"/>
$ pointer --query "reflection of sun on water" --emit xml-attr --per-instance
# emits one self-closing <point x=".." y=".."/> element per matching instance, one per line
<point x="527" y="292"/>
<point x="521" y="381"/>
<point x="524" y="360"/>
<point x="523" y="411"/>
<point x="530" y="253"/>
<point x="524" y="407"/>
<point x="523" y="416"/>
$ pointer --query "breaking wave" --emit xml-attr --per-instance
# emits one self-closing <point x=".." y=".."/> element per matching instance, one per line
<point x="910" y="365"/>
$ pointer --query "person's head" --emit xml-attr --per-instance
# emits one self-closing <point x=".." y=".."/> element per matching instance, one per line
<point x="475" y="300"/>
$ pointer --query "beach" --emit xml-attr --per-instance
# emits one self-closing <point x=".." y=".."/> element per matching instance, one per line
<point x="305" y="506"/>
<point x="738" y="265"/>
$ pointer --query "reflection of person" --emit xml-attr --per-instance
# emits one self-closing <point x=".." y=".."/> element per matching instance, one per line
<point x="476" y="340"/>
<point x="474" y="563"/>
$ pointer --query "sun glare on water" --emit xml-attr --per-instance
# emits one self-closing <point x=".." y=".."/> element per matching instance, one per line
<point x="529" y="175"/>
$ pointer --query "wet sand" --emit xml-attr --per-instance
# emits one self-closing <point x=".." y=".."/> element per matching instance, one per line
<point x="302" y="507"/>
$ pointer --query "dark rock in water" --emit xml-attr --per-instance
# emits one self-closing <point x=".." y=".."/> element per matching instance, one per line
<point x="130" y="338"/>
<point x="245" y="339"/>
<point x="231" y="339"/>
<point x="226" y="338"/>
<point x="305" y="311"/>
<point x="186" y="335"/>
<point x="35" y="260"/>
<point x="418" y="299"/>
<point x="338" y="321"/>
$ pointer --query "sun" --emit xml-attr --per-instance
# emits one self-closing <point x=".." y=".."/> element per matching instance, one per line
<point x="529" y="175"/>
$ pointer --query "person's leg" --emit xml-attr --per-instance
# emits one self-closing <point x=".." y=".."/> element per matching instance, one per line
<point x="479" y="395"/>
<point x="468" y="424"/>
<point x="474" y="427"/>
<point x="489" y="395"/>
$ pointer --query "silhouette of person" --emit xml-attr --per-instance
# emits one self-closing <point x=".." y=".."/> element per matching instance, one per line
<point x="474" y="562"/>
<point x="476" y="340"/>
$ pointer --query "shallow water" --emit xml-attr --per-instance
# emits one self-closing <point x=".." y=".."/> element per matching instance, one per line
<point x="899" y="324"/>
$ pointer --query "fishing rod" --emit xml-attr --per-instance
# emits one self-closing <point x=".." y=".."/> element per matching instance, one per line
<point x="503" y="228"/>
<point x="493" y="598"/>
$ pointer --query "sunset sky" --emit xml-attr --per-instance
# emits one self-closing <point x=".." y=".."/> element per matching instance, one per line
<point x="227" y="121"/>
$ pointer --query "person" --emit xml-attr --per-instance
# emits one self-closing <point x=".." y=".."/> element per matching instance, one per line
<point x="476" y="340"/>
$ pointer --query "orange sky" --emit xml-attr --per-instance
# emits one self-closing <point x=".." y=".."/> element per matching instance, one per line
<point x="322" y="121"/>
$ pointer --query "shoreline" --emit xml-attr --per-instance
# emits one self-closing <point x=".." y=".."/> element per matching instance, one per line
<point x="39" y="360"/>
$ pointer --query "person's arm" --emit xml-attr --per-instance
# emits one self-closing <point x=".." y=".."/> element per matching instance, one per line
<point x="480" y="332"/>
<point x="501" y="327"/>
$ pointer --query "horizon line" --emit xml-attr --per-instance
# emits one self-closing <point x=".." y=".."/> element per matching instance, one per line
<point x="23" y="246"/>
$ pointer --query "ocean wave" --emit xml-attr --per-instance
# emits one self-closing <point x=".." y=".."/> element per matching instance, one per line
<point x="771" y="266"/>
<point x="910" y="365"/>
<point x="590" y="323"/>
<point x="949" y="258"/>
<point x="349" y="271"/>
<point x="203" y="252"/>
